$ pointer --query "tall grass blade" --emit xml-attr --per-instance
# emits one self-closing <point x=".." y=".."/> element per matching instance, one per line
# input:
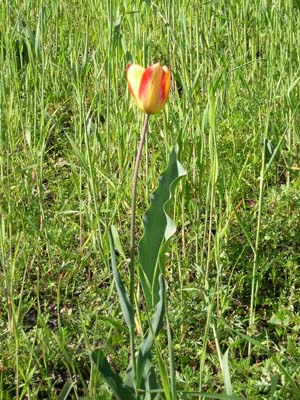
<point x="117" y="241"/>
<point x="63" y="395"/>
<point x="171" y="362"/>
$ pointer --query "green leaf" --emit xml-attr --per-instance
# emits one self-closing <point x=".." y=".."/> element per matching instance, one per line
<point x="164" y="376"/>
<point x="82" y="161"/>
<point x="117" y="242"/>
<point x="274" y="383"/>
<point x="171" y="360"/>
<point x="63" y="395"/>
<point x="119" y="390"/>
<point x="149" y="382"/>
<point x="156" y="324"/>
<point x="144" y="352"/>
<point x="158" y="228"/>
<point x="125" y="304"/>
<point x="226" y="372"/>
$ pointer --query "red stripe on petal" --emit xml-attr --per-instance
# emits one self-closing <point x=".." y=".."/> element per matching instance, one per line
<point x="146" y="78"/>
<point x="167" y="83"/>
<point x="162" y="92"/>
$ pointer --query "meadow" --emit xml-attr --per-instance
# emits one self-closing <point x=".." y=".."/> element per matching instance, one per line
<point x="68" y="138"/>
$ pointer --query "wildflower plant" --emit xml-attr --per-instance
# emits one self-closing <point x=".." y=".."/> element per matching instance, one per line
<point x="150" y="89"/>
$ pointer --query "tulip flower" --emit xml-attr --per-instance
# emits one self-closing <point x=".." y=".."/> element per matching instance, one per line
<point x="149" y="87"/>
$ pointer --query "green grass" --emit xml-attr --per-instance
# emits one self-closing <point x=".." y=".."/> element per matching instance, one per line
<point x="68" y="137"/>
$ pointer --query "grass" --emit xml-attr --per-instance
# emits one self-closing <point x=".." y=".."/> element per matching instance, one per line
<point x="68" y="138"/>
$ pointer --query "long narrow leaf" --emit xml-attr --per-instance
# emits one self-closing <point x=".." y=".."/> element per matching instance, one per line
<point x="171" y="360"/>
<point x="120" y="391"/>
<point x="164" y="375"/>
<point x="117" y="241"/>
<point x="64" y="394"/>
<point x="144" y="352"/>
<point x="149" y="382"/>
<point x="156" y="325"/>
<point x="226" y="372"/>
<point x="125" y="304"/>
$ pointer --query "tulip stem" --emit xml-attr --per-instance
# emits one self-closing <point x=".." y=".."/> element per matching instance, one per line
<point x="133" y="205"/>
<point x="132" y="233"/>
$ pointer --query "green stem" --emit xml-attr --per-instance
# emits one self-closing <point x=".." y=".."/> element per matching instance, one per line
<point x="132" y="231"/>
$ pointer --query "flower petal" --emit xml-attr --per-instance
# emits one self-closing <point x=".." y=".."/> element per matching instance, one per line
<point x="165" y="84"/>
<point x="150" y="88"/>
<point x="134" y="74"/>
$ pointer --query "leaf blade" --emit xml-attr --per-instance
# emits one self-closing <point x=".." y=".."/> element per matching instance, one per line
<point x="158" y="228"/>
<point x="126" y="306"/>
<point x="119" y="390"/>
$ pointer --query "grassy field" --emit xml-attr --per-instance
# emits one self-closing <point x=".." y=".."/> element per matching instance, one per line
<point x="68" y="139"/>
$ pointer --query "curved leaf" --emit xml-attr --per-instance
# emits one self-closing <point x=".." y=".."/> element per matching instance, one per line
<point x="158" y="228"/>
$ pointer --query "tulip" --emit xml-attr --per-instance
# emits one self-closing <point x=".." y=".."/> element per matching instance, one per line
<point x="149" y="87"/>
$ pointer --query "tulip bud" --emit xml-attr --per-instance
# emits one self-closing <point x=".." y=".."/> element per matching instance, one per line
<point x="149" y="87"/>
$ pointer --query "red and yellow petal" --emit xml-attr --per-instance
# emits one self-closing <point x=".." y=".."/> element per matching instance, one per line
<point x="134" y="74"/>
<point x="165" y="84"/>
<point x="149" y="87"/>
